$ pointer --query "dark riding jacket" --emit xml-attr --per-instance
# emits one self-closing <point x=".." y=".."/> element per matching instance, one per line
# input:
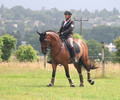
<point x="66" y="30"/>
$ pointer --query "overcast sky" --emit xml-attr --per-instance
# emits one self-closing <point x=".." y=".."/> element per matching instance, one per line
<point x="91" y="5"/>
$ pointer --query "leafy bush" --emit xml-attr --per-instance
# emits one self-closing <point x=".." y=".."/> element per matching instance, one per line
<point x="9" y="43"/>
<point x="26" y="53"/>
<point x="117" y="53"/>
<point x="1" y="44"/>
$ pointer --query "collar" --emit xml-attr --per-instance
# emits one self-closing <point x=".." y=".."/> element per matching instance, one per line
<point x="68" y="19"/>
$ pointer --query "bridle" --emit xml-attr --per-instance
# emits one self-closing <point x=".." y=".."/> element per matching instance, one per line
<point x="46" y="47"/>
<point x="46" y="42"/>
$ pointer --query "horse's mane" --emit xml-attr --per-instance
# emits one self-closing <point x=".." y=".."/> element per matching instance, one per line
<point x="54" y="35"/>
<point x="50" y="31"/>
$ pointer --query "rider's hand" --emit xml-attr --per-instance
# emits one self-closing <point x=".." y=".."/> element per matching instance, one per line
<point x="57" y="32"/>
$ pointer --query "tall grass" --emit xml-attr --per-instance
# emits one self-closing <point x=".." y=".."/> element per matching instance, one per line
<point x="111" y="69"/>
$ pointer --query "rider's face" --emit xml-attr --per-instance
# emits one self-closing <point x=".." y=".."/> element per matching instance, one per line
<point x="67" y="16"/>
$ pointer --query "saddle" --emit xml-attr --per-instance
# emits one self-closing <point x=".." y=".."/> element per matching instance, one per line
<point x="68" y="47"/>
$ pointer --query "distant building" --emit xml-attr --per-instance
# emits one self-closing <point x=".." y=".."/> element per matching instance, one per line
<point x="3" y="22"/>
<point x="36" y="23"/>
<point x="27" y="21"/>
<point x="15" y="25"/>
<point x="118" y="16"/>
<point x="23" y="42"/>
<point x="111" y="47"/>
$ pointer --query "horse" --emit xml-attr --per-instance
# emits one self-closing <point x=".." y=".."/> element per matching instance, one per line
<point x="60" y="55"/>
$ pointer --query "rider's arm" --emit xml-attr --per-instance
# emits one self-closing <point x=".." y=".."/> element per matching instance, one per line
<point x="69" y="29"/>
<point x="60" y="28"/>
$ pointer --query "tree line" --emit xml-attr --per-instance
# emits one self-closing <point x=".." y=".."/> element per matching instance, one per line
<point x="22" y="24"/>
<point x="28" y="53"/>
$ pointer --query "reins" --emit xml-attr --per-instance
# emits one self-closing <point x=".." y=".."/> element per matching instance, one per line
<point x="57" y="53"/>
<point x="57" y="42"/>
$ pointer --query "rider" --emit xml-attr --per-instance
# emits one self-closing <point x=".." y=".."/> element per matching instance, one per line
<point x="66" y="32"/>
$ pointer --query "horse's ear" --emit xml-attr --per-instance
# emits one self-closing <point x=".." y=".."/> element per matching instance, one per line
<point x="39" y="33"/>
<point x="45" y="34"/>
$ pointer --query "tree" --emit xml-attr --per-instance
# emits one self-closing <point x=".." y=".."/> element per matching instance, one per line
<point x="2" y="9"/>
<point x="77" y="36"/>
<point x="117" y="53"/>
<point x="26" y="53"/>
<point x="115" y="11"/>
<point x="1" y="44"/>
<point x="9" y="43"/>
<point x="94" y="49"/>
<point x="102" y="33"/>
<point x="32" y="38"/>
<point x="18" y="36"/>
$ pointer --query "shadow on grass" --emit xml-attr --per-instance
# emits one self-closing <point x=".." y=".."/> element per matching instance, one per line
<point x="45" y="86"/>
<point x="103" y="77"/>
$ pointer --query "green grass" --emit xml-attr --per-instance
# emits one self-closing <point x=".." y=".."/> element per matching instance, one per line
<point x="21" y="81"/>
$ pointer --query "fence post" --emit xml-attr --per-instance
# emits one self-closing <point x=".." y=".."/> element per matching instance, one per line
<point x="103" y="70"/>
<point x="44" y="61"/>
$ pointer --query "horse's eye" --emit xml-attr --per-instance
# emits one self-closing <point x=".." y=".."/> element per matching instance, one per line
<point x="42" y="39"/>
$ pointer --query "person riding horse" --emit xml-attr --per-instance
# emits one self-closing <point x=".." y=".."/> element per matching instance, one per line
<point x="60" y="55"/>
<point x="66" y="32"/>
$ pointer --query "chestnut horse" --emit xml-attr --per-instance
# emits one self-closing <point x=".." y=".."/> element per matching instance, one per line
<point x="60" y="55"/>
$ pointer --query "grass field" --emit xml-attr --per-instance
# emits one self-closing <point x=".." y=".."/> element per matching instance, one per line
<point x="27" y="81"/>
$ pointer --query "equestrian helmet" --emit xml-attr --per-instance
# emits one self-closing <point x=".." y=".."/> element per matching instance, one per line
<point x="67" y="13"/>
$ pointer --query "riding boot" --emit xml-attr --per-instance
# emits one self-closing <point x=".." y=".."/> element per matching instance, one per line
<point x="73" y="55"/>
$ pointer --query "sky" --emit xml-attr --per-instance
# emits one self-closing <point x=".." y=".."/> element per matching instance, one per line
<point x="91" y="5"/>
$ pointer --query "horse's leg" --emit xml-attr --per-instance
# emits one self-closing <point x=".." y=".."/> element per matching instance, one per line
<point x="87" y="67"/>
<point x="78" y="66"/>
<point x="68" y="76"/>
<point x="53" y="75"/>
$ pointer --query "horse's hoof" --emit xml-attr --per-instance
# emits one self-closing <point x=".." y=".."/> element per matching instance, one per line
<point x="92" y="83"/>
<point x="49" y="85"/>
<point x="72" y="85"/>
<point x="81" y="85"/>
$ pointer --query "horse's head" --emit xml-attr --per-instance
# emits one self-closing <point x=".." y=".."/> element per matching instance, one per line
<point x="44" y="40"/>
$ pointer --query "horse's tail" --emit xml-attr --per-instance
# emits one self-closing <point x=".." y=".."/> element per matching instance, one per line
<point x="92" y="64"/>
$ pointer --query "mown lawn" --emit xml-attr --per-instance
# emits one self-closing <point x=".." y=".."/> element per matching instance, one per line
<point x="27" y="81"/>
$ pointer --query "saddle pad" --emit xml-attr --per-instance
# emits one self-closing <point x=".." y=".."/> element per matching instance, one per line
<point x="68" y="47"/>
